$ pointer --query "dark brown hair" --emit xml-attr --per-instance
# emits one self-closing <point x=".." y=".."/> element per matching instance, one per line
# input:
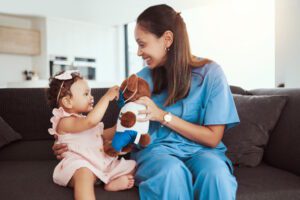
<point x="55" y="85"/>
<point x="175" y="75"/>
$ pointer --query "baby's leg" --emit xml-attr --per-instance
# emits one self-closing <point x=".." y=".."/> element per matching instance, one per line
<point x="83" y="183"/>
<point x="121" y="183"/>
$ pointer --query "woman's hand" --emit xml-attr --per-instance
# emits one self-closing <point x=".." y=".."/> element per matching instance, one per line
<point x="152" y="112"/>
<point x="59" y="149"/>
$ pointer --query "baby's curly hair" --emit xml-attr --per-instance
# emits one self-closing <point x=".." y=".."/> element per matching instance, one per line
<point x="63" y="85"/>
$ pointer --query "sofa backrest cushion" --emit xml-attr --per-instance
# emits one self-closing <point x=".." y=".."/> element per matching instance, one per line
<point x="238" y="90"/>
<point x="27" y="112"/>
<point x="7" y="134"/>
<point x="258" y="115"/>
<point x="283" y="149"/>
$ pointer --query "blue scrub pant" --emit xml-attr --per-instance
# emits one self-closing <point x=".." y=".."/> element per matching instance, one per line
<point x="163" y="175"/>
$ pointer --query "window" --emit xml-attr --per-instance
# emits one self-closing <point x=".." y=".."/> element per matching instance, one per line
<point x="133" y="63"/>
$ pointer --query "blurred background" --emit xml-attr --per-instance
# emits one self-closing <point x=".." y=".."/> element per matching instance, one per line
<point x="255" y="41"/>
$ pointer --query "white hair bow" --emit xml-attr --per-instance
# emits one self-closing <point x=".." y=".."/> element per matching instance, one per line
<point x="67" y="75"/>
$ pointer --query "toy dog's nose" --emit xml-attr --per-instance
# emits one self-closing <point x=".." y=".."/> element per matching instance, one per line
<point x="128" y="119"/>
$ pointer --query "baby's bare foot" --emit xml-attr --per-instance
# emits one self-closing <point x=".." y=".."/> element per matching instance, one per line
<point x="122" y="183"/>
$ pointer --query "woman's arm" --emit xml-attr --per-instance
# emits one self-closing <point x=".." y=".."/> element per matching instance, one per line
<point x="207" y="135"/>
<point x="59" y="149"/>
<point x="75" y="124"/>
<point x="109" y="133"/>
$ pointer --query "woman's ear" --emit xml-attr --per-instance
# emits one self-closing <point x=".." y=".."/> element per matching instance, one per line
<point x="67" y="102"/>
<point x="168" y="37"/>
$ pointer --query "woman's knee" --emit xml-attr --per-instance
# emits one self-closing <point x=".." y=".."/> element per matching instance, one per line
<point x="215" y="170"/>
<point x="167" y="164"/>
<point x="163" y="166"/>
<point x="209" y="165"/>
<point x="218" y="173"/>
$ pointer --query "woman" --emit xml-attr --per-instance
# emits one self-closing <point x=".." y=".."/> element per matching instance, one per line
<point x="190" y="108"/>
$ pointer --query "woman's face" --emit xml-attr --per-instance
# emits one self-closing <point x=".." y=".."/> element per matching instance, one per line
<point x="150" y="48"/>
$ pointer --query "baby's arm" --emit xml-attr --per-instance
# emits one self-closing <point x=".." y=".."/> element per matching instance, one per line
<point x="74" y="124"/>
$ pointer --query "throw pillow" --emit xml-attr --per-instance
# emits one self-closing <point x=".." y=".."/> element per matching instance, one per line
<point x="7" y="134"/>
<point x="258" y="116"/>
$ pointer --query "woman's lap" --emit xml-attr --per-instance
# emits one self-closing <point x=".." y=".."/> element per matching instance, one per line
<point x="162" y="175"/>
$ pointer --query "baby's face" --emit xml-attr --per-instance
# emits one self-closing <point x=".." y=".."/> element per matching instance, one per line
<point x="82" y="100"/>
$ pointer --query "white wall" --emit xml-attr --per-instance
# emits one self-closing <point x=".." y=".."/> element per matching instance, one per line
<point x="66" y="38"/>
<point x="40" y="62"/>
<point x="108" y="13"/>
<point x="288" y="42"/>
<point x="240" y="36"/>
<point x="12" y="65"/>
<point x="74" y="38"/>
<point x="135" y="62"/>
<point x="111" y="54"/>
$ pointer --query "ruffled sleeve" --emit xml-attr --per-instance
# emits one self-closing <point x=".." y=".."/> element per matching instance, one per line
<point x="58" y="113"/>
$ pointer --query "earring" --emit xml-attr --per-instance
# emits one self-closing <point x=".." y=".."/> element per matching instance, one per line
<point x="167" y="49"/>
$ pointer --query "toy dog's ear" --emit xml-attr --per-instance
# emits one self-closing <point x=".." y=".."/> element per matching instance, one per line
<point x="128" y="119"/>
<point x="132" y="83"/>
<point x="143" y="88"/>
<point x="123" y="85"/>
<point x="145" y="140"/>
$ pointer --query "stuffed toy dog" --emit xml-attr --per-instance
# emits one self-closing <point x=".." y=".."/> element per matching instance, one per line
<point x="129" y="130"/>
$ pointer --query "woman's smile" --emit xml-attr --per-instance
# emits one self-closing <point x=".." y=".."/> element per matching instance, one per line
<point x="147" y="60"/>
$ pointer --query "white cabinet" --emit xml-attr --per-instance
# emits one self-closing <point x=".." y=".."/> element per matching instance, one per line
<point x="71" y="38"/>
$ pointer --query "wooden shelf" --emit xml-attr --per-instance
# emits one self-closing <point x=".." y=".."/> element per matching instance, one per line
<point x="19" y="41"/>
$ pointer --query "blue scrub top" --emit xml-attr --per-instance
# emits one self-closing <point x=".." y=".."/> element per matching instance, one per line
<point x="210" y="102"/>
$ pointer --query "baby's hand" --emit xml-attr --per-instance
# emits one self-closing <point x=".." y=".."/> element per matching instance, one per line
<point x="113" y="93"/>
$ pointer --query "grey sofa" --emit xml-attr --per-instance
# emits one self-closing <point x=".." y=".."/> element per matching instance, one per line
<point x="26" y="165"/>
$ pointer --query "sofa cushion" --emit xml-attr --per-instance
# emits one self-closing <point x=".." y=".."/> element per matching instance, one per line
<point x="7" y="134"/>
<point x="27" y="113"/>
<point x="258" y="116"/>
<point x="28" y="150"/>
<point x="33" y="180"/>
<point x="238" y="90"/>
<point x="283" y="148"/>
<point x="33" y="122"/>
<point x="265" y="182"/>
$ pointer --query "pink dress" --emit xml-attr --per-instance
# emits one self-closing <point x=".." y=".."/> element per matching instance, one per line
<point x="86" y="150"/>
